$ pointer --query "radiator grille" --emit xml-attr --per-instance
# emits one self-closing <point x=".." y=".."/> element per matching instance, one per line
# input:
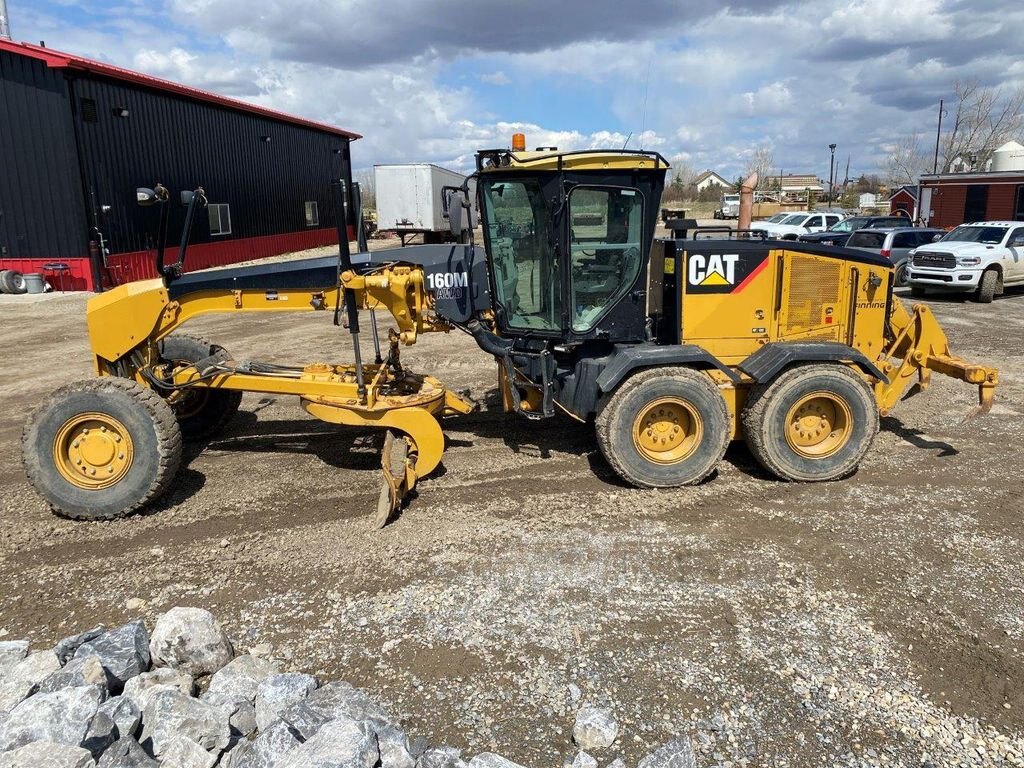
<point x="812" y="284"/>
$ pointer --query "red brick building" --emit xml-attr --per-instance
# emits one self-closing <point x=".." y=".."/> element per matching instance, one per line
<point x="949" y="199"/>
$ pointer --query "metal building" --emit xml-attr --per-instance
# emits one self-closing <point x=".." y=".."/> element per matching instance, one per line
<point x="77" y="137"/>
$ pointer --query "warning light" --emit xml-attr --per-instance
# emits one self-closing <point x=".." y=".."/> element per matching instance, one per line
<point x="518" y="142"/>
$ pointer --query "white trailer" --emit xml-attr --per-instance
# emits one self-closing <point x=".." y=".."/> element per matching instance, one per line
<point x="409" y="199"/>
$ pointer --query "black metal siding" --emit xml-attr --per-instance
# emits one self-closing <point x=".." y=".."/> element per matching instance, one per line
<point x="183" y="143"/>
<point x="41" y="210"/>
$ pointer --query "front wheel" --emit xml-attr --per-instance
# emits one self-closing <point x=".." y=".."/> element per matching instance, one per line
<point x="202" y="411"/>
<point x="101" y="449"/>
<point x="988" y="287"/>
<point x="812" y="423"/>
<point x="664" y="427"/>
<point x="900" y="280"/>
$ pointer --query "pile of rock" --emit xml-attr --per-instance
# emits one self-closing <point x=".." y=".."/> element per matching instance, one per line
<point x="181" y="698"/>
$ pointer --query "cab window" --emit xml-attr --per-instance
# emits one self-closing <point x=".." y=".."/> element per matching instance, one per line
<point x="526" y="273"/>
<point x="1017" y="238"/>
<point x="605" y="227"/>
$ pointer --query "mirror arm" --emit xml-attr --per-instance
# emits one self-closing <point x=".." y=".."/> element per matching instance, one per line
<point x="174" y="271"/>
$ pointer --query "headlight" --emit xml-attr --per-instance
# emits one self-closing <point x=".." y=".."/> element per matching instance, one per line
<point x="968" y="261"/>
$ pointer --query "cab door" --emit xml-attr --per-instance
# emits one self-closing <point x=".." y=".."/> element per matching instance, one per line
<point x="1015" y="265"/>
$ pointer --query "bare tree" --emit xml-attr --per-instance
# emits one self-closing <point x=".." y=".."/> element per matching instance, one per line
<point x="760" y="162"/>
<point x="983" y="117"/>
<point x="683" y="174"/>
<point x="907" y="161"/>
<point x="367" y="187"/>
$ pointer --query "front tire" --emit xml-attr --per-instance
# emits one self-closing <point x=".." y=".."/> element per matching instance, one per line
<point x="102" y="448"/>
<point x="900" y="279"/>
<point x="812" y="423"/>
<point x="988" y="287"/>
<point x="202" y="412"/>
<point x="664" y="427"/>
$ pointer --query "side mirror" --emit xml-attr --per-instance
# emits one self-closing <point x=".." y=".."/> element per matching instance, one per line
<point x="186" y="196"/>
<point x="146" y="197"/>
<point x="455" y="215"/>
<point x="936" y="238"/>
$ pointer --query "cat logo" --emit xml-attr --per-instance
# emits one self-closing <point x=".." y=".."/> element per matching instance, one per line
<point x="713" y="269"/>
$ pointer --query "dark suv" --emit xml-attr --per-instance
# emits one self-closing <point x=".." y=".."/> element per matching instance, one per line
<point x="838" y="233"/>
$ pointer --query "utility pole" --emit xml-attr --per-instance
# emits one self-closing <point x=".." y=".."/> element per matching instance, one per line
<point x="938" y="133"/>
<point x="831" y="171"/>
<point x="5" y="27"/>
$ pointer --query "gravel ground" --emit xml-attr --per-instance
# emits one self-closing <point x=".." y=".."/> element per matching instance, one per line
<point x="873" y="621"/>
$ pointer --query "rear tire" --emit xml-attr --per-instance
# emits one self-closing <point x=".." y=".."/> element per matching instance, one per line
<point x="812" y="423"/>
<point x="664" y="427"/>
<point x="988" y="287"/>
<point x="202" y="412"/>
<point x="102" y="448"/>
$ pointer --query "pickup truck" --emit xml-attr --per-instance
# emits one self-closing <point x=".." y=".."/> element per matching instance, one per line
<point x="791" y="227"/>
<point x="981" y="258"/>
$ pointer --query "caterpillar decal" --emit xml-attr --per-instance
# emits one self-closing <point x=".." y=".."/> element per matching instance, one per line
<point x="709" y="271"/>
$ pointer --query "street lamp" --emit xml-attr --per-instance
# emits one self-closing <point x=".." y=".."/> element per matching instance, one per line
<point x="831" y="164"/>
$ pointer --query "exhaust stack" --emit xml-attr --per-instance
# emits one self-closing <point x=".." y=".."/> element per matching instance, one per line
<point x="5" y="28"/>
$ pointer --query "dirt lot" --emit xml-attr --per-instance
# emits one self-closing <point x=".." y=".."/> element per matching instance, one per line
<point x="872" y="621"/>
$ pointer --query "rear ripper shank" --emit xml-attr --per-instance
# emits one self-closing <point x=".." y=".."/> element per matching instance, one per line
<point x="672" y="346"/>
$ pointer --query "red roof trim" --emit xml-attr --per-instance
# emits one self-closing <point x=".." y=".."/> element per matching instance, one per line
<point x="59" y="60"/>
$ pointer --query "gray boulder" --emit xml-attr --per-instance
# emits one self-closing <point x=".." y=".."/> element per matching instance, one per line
<point x="21" y="680"/>
<point x="11" y="652"/>
<point x="583" y="760"/>
<point x="185" y="753"/>
<point x="86" y="670"/>
<point x="62" y="717"/>
<point x="618" y="762"/>
<point x="124" y="653"/>
<point x="393" y="744"/>
<point x="338" y="744"/>
<point x="331" y="702"/>
<point x="101" y="734"/>
<point x="441" y="757"/>
<point x="240" y="678"/>
<point x="278" y="692"/>
<point x="127" y="753"/>
<point x="47" y="754"/>
<point x="170" y="713"/>
<point x="67" y="647"/>
<point x="491" y="760"/>
<point x="242" y="717"/>
<point x="190" y="639"/>
<point x="595" y="728"/>
<point x="138" y="687"/>
<point x="676" y="754"/>
<point x="125" y="714"/>
<point x="265" y="750"/>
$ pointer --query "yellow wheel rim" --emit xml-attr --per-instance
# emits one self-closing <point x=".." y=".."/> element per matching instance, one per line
<point x="667" y="431"/>
<point x="818" y="425"/>
<point x="93" y="451"/>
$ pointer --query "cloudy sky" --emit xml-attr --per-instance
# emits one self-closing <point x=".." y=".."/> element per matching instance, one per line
<point x="434" y="80"/>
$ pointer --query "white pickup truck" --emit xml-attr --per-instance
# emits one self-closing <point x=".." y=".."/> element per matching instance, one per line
<point x="791" y="227"/>
<point x="980" y="258"/>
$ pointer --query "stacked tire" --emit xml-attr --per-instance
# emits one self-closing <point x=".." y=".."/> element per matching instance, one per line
<point x="12" y="281"/>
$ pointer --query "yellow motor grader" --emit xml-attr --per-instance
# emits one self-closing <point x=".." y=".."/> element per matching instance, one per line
<point x="671" y="347"/>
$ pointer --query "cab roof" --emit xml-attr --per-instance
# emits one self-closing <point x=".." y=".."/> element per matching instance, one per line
<point x="489" y="160"/>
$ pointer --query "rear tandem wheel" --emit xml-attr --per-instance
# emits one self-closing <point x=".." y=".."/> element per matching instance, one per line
<point x="812" y="423"/>
<point x="664" y="427"/>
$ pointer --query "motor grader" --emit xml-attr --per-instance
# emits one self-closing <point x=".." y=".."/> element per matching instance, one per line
<point x="671" y="347"/>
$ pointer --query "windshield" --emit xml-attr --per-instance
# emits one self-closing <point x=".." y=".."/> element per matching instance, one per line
<point x="731" y="198"/>
<point x="848" y="225"/>
<point x="795" y="219"/>
<point x="866" y="239"/>
<point x="526" y="273"/>
<point x="973" y="234"/>
<point x="777" y="218"/>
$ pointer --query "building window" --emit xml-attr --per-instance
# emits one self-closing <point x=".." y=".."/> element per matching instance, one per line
<point x="89" y="111"/>
<point x="976" y="203"/>
<point x="312" y="214"/>
<point x="220" y="218"/>
<point x="1018" y="214"/>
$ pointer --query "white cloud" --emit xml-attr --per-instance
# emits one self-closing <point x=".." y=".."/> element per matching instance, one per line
<point x="496" y="78"/>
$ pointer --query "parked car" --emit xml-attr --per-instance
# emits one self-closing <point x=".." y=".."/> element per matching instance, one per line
<point x="982" y="257"/>
<point x="838" y="233"/>
<point x="796" y="224"/>
<point x="895" y="244"/>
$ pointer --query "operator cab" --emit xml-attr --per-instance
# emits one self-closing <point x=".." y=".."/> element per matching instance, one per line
<point x="569" y="235"/>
